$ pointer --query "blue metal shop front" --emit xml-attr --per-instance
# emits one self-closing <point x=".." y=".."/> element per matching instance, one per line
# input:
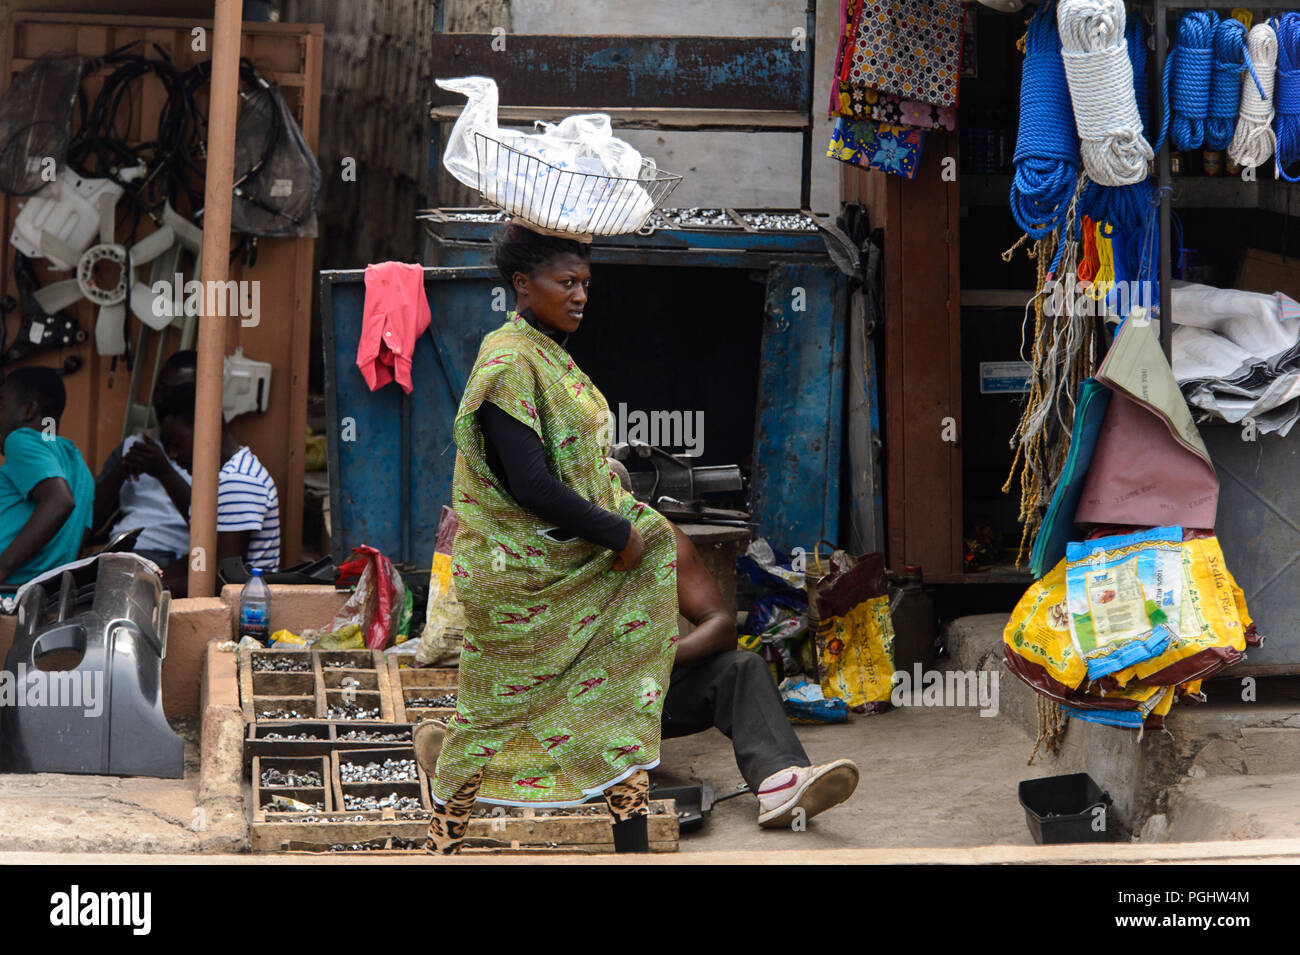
<point x="749" y="331"/>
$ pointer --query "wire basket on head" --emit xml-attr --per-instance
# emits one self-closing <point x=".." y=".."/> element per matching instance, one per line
<point x="568" y="200"/>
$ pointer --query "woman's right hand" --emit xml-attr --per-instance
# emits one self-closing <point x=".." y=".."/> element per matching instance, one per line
<point x="630" y="555"/>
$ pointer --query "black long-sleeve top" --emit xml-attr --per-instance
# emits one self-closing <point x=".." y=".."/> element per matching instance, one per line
<point x="516" y="456"/>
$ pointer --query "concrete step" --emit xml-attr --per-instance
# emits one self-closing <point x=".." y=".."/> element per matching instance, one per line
<point x="1230" y="807"/>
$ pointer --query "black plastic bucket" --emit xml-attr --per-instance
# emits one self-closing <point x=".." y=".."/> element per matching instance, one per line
<point x="1061" y="809"/>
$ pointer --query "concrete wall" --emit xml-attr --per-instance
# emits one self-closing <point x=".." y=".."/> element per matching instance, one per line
<point x="375" y="82"/>
<point x="741" y="170"/>
<point x="377" y="76"/>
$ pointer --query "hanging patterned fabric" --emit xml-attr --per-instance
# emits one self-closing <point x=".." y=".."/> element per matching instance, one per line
<point x="894" y="149"/>
<point x="911" y="48"/>
<point x="856" y="102"/>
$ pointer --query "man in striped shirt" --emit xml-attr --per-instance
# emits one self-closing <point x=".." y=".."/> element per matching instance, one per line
<point x="248" y="506"/>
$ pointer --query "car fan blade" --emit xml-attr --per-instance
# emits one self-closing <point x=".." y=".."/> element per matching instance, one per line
<point x="110" y="330"/>
<point x="152" y="245"/>
<point x="142" y="304"/>
<point x="107" y="217"/>
<point x="55" y="298"/>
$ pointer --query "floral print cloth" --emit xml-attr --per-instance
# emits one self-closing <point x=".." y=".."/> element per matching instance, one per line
<point x="565" y="660"/>
<point x="894" y="149"/>
<point x="860" y="103"/>
<point x="898" y="62"/>
<point x="911" y="48"/>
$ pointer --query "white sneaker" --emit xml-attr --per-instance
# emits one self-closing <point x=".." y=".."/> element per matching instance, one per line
<point x="812" y="789"/>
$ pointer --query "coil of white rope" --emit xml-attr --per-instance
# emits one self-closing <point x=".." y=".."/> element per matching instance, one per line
<point x="1253" y="141"/>
<point x="1100" y="76"/>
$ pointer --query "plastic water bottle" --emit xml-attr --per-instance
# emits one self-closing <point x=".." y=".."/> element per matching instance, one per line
<point x="255" y="609"/>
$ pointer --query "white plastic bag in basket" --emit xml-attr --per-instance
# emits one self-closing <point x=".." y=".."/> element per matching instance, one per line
<point x="577" y="182"/>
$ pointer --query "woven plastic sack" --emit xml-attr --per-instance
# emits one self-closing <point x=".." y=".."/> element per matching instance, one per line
<point x="855" y="635"/>
<point x="1124" y="594"/>
<point x="1211" y="635"/>
<point x="1036" y="642"/>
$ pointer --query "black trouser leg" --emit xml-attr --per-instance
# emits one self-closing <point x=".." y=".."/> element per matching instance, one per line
<point x="734" y="692"/>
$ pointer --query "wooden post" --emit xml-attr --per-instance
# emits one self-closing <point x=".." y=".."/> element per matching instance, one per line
<point x="217" y="198"/>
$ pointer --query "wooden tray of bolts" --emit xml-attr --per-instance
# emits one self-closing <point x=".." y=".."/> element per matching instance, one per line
<point x="422" y="692"/>
<point x="293" y="686"/>
<point x="371" y="780"/>
<point x="288" y="787"/>
<point x="492" y="830"/>
<point x="320" y="738"/>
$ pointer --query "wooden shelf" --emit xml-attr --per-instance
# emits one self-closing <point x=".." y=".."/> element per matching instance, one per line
<point x="648" y="117"/>
<point x="1189" y="192"/>
<point x="998" y="298"/>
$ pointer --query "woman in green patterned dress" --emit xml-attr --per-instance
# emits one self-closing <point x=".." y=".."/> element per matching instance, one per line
<point x="570" y="630"/>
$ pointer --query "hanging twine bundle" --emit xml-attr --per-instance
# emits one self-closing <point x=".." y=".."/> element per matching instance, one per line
<point x="1047" y="146"/>
<point x="1051" y="727"/>
<point x="1288" y="93"/>
<point x="1253" y="141"/>
<point x="1225" y="83"/>
<point x="1100" y="77"/>
<point x="1063" y="356"/>
<point x="1190" y="82"/>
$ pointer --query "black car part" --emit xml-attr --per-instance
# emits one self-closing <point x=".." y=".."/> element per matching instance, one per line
<point x="37" y="331"/>
<point x="98" y="673"/>
<point x="35" y="121"/>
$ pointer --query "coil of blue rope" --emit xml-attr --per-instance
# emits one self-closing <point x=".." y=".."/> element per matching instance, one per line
<point x="1287" y="92"/>
<point x="1225" y="82"/>
<point x="1047" y="145"/>
<point x="1189" y="82"/>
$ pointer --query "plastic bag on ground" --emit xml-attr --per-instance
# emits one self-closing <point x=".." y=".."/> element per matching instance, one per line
<point x="376" y="604"/>
<point x="444" y="620"/>
<point x="804" y="702"/>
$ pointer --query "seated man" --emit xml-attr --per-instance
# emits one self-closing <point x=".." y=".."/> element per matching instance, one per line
<point x="715" y="684"/>
<point x="134" y="481"/>
<point x="248" y="505"/>
<point x="46" y="491"/>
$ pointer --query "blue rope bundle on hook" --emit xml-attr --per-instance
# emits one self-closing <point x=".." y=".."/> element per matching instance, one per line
<point x="1189" y="65"/>
<point x="1287" y="92"/>
<point x="1047" y="144"/>
<point x="1137" y="55"/>
<point x="1225" y="82"/>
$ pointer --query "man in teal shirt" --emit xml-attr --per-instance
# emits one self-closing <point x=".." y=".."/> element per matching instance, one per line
<point x="47" y="494"/>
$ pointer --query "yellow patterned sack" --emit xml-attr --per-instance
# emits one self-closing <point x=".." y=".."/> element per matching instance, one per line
<point x="1210" y="635"/>
<point x="855" y="635"/>
<point x="1037" y="645"/>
